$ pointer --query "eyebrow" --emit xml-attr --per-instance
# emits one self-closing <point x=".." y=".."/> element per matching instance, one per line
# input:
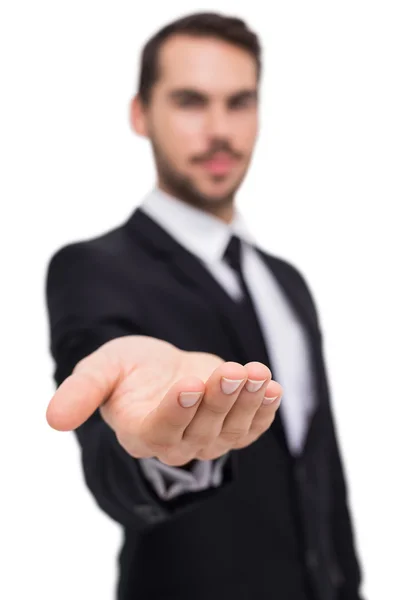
<point x="243" y="94"/>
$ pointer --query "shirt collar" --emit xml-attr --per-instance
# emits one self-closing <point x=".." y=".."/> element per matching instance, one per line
<point x="201" y="233"/>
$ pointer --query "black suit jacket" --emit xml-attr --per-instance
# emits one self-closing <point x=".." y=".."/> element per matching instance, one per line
<point x="278" y="528"/>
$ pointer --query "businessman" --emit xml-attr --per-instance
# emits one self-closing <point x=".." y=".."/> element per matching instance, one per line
<point x="189" y="362"/>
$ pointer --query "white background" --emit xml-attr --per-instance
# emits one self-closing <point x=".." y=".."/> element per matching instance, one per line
<point x="323" y="192"/>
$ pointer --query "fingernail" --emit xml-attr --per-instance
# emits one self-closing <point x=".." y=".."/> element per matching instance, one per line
<point x="268" y="400"/>
<point x="229" y="386"/>
<point x="253" y="386"/>
<point x="189" y="398"/>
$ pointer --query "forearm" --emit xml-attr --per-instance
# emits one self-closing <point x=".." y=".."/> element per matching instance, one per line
<point x="115" y="479"/>
<point x="121" y="487"/>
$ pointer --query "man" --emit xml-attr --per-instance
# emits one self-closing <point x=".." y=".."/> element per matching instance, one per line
<point x="172" y="326"/>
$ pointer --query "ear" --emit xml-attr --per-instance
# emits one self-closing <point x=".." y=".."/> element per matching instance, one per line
<point x="137" y="117"/>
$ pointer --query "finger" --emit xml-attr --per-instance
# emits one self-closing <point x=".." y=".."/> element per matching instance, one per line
<point x="165" y="425"/>
<point x="265" y="415"/>
<point x="222" y="389"/>
<point x="90" y="384"/>
<point x="238" y="421"/>
<point x="262" y="420"/>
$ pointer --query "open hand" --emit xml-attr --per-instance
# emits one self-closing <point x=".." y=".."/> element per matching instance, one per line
<point x="141" y="386"/>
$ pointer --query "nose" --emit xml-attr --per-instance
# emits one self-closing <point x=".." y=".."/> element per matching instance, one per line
<point x="218" y="124"/>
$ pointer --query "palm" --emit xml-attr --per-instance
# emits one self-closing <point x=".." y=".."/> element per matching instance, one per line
<point x="150" y="368"/>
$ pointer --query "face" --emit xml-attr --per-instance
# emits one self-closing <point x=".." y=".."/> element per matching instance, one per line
<point x="202" y="120"/>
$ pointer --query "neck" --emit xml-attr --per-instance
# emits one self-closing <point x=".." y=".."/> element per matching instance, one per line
<point x="224" y="211"/>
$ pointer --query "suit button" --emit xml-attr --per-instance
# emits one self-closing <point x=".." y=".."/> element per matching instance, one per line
<point x="312" y="559"/>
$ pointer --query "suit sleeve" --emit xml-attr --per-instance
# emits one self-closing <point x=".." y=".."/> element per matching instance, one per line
<point x="86" y="310"/>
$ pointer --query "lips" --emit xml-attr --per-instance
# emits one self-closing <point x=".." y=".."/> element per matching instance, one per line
<point x="219" y="164"/>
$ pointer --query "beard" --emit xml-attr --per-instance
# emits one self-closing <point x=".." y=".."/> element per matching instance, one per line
<point x="183" y="187"/>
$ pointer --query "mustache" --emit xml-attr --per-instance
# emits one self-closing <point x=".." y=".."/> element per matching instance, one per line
<point x="217" y="147"/>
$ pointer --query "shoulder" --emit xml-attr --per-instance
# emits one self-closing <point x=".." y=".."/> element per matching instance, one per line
<point x="87" y="279"/>
<point x="288" y="268"/>
<point x="293" y="274"/>
<point x="89" y="249"/>
<point x="93" y="256"/>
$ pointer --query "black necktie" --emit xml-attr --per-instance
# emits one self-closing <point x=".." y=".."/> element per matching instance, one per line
<point x="233" y="256"/>
<point x="248" y="314"/>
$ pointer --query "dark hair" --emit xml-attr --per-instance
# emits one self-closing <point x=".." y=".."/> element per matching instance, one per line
<point x="215" y="25"/>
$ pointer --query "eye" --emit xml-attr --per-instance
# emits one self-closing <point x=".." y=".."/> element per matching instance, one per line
<point x="241" y="102"/>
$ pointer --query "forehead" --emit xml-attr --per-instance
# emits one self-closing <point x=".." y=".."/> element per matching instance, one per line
<point x="209" y="64"/>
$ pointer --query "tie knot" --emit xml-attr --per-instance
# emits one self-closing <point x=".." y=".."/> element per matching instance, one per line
<point x="233" y="254"/>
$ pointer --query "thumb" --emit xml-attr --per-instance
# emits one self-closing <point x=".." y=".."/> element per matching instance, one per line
<point x="91" y="383"/>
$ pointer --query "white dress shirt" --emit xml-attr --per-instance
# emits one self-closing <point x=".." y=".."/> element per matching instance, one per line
<point x="207" y="237"/>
